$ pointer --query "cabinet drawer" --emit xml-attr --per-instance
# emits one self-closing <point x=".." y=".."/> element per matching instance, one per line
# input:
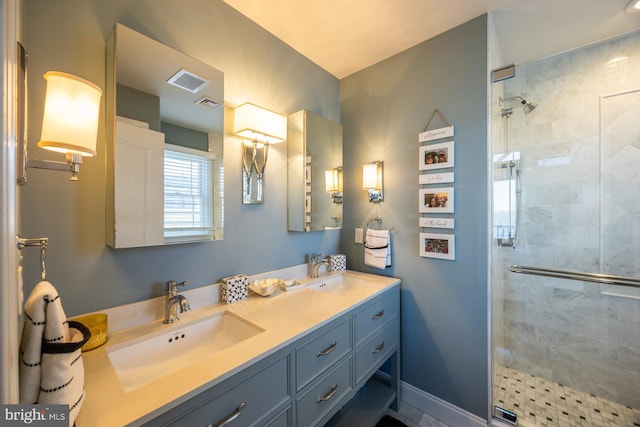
<point x="375" y="350"/>
<point x="375" y="314"/>
<point x="321" y="352"/>
<point x="323" y="396"/>
<point x="250" y="401"/>
<point x="282" y="420"/>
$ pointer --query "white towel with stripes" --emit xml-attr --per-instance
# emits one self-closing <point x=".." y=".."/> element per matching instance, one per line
<point x="51" y="369"/>
<point x="377" y="248"/>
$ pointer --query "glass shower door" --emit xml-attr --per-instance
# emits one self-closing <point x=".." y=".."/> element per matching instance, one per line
<point x="566" y="351"/>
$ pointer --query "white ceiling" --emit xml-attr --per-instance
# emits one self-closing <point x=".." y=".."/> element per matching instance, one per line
<point x="345" y="36"/>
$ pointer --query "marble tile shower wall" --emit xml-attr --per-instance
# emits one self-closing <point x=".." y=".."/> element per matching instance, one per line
<point x="566" y="331"/>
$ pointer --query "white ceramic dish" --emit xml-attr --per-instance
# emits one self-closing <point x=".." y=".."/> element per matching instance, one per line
<point x="265" y="287"/>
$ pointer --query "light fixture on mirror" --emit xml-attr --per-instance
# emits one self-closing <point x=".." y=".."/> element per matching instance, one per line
<point x="372" y="180"/>
<point x="333" y="183"/>
<point x="69" y="125"/>
<point x="260" y="128"/>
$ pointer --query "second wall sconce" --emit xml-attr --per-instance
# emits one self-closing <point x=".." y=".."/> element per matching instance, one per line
<point x="372" y="180"/>
<point x="259" y="128"/>
<point x="69" y="124"/>
<point x="333" y="183"/>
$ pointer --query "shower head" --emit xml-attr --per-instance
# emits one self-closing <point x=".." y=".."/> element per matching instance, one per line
<point x="526" y="106"/>
<point x="529" y="107"/>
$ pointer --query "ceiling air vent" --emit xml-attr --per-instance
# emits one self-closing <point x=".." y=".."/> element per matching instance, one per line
<point x="187" y="81"/>
<point x="207" y="101"/>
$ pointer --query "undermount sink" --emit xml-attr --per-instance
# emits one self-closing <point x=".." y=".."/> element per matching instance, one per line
<point x="145" y="360"/>
<point x="339" y="285"/>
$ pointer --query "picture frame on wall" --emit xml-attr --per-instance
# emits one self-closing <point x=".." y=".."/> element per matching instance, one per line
<point x="436" y="156"/>
<point x="436" y="245"/>
<point x="436" y="200"/>
<point x="428" y="222"/>
<point x="435" y="178"/>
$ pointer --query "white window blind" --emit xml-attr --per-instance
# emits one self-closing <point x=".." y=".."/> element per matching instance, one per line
<point x="188" y="194"/>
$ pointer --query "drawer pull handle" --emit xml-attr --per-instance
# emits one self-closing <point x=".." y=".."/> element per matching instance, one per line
<point x="327" y="350"/>
<point x="379" y="315"/>
<point x="329" y="395"/>
<point x="232" y="416"/>
<point x="379" y="348"/>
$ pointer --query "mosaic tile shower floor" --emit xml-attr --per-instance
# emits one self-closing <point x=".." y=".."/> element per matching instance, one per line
<point x="539" y="402"/>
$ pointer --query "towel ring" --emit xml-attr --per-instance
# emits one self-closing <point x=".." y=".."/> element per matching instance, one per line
<point x="377" y="219"/>
<point x="22" y="243"/>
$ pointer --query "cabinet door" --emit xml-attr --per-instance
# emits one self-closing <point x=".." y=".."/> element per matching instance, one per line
<point x="375" y="314"/>
<point x="318" y="354"/>
<point x="375" y="350"/>
<point x="139" y="187"/>
<point x="322" y="397"/>
<point x="254" y="399"/>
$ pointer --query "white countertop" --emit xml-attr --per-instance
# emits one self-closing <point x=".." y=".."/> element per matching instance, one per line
<point x="284" y="316"/>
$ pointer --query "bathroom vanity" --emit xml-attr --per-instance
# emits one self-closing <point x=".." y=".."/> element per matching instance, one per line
<point x="311" y="359"/>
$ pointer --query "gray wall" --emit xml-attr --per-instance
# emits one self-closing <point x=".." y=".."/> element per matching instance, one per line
<point x="138" y="105"/>
<point x="70" y="36"/>
<point x="444" y="303"/>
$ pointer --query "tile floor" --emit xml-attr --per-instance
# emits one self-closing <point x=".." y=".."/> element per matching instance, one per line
<point x="539" y="402"/>
<point x="414" y="417"/>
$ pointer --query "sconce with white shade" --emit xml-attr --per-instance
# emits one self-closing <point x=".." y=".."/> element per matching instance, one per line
<point x="69" y="125"/>
<point x="333" y="183"/>
<point x="633" y="6"/>
<point x="372" y="180"/>
<point x="260" y="128"/>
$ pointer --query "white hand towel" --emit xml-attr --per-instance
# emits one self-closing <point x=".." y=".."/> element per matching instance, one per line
<point x="377" y="248"/>
<point x="51" y="369"/>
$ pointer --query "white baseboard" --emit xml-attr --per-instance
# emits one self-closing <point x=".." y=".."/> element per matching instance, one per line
<point x="440" y="409"/>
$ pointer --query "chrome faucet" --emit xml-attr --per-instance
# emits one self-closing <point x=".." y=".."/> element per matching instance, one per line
<point x="316" y="263"/>
<point x="173" y="300"/>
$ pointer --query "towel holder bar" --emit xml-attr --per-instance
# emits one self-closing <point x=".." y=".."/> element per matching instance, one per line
<point x="377" y="219"/>
<point x="22" y="243"/>
<point x="606" y="279"/>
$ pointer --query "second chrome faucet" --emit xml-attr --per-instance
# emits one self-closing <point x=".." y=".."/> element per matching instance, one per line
<point x="173" y="300"/>
<point x="316" y="263"/>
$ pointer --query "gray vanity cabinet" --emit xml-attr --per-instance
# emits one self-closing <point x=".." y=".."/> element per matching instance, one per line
<point x="322" y="397"/>
<point x="258" y="395"/>
<point x="325" y="377"/>
<point x="320" y="351"/>
<point x="324" y="371"/>
<point x="376" y="341"/>
<point x="376" y="334"/>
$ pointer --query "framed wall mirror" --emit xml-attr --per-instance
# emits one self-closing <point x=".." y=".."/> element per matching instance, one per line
<point x="165" y="119"/>
<point x="314" y="166"/>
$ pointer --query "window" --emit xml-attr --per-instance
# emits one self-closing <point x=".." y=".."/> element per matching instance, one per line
<point x="188" y="194"/>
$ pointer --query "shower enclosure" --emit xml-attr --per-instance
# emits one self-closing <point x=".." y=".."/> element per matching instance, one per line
<point x="566" y="197"/>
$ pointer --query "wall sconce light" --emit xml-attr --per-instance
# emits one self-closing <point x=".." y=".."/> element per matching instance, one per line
<point x="372" y="180"/>
<point x="633" y="6"/>
<point x="260" y="128"/>
<point x="333" y="182"/>
<point x="69" y="125"/>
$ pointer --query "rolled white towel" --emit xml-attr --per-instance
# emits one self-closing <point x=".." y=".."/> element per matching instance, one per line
<point x="51" y="369"/>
